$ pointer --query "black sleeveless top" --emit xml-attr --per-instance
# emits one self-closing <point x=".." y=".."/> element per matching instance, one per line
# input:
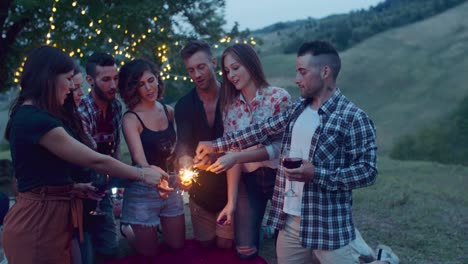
<point x="157" y="145"/>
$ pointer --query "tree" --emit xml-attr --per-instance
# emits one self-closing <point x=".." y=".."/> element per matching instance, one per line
<point x="149" y="28"/>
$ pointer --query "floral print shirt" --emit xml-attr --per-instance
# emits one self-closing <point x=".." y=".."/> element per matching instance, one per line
<point x="268" y="102"/>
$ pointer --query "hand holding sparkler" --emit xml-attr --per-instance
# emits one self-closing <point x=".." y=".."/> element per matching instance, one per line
<point x="203" y="149"/>
<point x="164" y="189"/>
<point x="202" y="164"/>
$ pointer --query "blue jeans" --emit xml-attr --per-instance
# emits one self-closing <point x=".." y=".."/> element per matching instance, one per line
<point x="103" y="230"/>
<point x="255" y="189"/>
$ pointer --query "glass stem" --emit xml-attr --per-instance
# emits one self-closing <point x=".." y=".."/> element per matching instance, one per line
<point x="98" y="206"/>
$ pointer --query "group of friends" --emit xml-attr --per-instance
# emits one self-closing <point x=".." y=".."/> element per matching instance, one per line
<point x="235" y="132"/>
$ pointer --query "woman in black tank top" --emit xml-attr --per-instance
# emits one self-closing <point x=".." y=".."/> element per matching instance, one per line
<point x="150" y="135"/>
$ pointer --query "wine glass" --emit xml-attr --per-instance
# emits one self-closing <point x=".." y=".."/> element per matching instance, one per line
<point x="100" y="182"/>
<point x="291" y="161"/>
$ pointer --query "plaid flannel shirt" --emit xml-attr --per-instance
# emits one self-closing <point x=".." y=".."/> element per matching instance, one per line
<point x="344" y="153"/>
<point x="89" y="111"/>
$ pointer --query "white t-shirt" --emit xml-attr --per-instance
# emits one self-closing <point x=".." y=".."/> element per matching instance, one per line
<point x="301" y="138"/>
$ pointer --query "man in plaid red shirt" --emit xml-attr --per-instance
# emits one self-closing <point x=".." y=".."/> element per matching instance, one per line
<point x="101" y="114"/>
<point x="312" y="204"/>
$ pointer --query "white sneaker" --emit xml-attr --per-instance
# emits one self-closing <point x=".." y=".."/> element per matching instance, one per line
<point x="361" y="247"/>
<point x="385" y="253"/>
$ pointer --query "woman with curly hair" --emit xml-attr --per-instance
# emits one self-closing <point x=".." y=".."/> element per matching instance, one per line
<point x="148" y="127"/>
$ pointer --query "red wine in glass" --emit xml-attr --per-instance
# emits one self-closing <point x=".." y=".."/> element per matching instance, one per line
<point x="292" y="163"/>
<point x="100" y="182"/>
<point x="101" y="187"/>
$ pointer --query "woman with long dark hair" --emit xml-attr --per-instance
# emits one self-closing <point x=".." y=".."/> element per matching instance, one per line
<point x="38" y="228"/>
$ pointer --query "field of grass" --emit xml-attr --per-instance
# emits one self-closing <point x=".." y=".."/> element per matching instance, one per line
<point x="419" y="209"/>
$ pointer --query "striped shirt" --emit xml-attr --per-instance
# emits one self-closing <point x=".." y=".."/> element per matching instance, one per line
<point x="344" y="153"/>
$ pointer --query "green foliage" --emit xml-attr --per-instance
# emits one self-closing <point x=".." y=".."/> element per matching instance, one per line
<point x="137" y="28"/>
<point x="443" y="142"/>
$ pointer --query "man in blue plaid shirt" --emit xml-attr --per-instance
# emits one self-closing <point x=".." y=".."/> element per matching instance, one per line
<point x="312" y="204"/>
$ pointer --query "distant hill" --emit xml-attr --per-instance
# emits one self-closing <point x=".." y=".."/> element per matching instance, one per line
<point x="406" y="79"/>
<point x="346" y="30"/>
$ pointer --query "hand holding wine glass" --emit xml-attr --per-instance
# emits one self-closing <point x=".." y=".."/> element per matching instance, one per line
<point x="303" y="173"/>
<point x="100" y="182"/>
<point x="292" y="160"/>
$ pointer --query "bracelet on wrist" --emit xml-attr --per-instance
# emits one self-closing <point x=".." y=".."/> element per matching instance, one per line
<point x="140" y="172"/>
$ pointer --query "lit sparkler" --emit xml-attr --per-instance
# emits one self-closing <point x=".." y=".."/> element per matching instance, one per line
<point x="187" y="176"/>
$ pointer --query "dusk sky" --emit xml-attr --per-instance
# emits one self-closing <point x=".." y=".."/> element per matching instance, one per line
<point x="256" y="14"/>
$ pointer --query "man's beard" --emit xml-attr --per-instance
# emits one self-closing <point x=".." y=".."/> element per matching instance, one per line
<point x="100" y="94"/>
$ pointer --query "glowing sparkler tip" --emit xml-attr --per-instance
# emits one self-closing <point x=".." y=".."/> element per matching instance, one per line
<point x="187" y="176"/>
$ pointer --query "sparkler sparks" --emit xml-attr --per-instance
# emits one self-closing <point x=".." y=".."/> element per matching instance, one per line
<point x="187" y="176"/>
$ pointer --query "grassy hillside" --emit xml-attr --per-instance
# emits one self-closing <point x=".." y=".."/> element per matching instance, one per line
<point x="407" y="79"/>
<point x="417" y="208"/>
<point x="345" y="30"/>
<point x="404" y="78"/>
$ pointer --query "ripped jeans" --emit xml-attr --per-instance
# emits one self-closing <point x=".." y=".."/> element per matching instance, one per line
<point x="255" y="189"/>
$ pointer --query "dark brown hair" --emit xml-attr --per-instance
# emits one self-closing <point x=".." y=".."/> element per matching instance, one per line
<point x="246" y="56"/>
<point x="194" y="46"/>
<point x="40" y="72"/>
<point x="98" y="59"/>
<point x="130" y="75"/>
<point x="325" y="53"/>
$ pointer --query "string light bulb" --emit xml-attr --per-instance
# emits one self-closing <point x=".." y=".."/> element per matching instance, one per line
<point x="161" y="51"/>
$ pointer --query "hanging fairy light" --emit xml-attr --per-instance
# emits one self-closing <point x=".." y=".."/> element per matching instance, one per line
<point x="125" y="50"/>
